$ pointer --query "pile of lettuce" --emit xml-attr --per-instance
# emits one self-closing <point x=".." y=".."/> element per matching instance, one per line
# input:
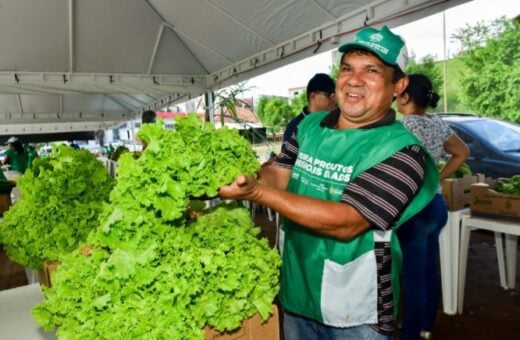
<point x="148" y="271"/>
<point x="62" y="196"/>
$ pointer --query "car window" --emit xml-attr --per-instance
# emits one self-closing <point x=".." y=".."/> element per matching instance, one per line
<point x="504" y="136"/>
<point x="464" y="136"/>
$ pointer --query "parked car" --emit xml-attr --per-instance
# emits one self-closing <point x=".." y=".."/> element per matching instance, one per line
<point x="45" y="150"/>
<point x="494" y="144"/>
<point x="94" y="148"/>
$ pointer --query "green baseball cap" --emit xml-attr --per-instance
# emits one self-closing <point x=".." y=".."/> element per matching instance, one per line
<point x="11" y="140"/>
<point x="389" y="47"/>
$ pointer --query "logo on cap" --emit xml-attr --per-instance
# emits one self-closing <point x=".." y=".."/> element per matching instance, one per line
<point x="376" y="37"/>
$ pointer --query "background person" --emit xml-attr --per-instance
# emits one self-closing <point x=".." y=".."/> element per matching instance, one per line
<point x="419" y="236"/>
<point x="73" y="145"/>
<point x="320" y="97"/>
<point x="16" y="159"/>
<point x="147" y="117"/>
<point x="343" y="182"/>
<point x="15" y="156"/>
<point x="32" y="154"/>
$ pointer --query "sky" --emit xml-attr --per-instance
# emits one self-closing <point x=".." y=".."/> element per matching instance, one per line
<point x="423" y="37"/>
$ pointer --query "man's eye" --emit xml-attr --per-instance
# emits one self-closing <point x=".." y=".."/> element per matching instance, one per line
<point x="375" y="70"/>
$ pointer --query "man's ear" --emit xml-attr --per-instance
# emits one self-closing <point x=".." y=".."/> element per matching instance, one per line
<point x="400" y="86"/>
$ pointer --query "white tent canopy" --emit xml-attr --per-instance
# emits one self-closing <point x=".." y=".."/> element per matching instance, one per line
<point x="78" y="65"/>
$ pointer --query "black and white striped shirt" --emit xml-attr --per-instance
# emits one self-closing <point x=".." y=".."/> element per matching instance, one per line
<point x="380" y="194"/>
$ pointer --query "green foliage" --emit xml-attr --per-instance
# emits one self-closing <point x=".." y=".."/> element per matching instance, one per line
<point x="274" y="112"/>
<point x="455" y="68"/>
<point x="62" y="196"/>
<point x="228" y="98"/>
<point x="151" y="273"/>
<point x="429" y="68"/>
<point x="299" y="102"/>
<point x="334" y="71"/>
<point x="260" y="107"/>
<point x="492" y="57"/>
<point x="464" y="169"/>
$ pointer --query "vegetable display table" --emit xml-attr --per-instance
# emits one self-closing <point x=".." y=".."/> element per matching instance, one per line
<point x="16" y="321"/>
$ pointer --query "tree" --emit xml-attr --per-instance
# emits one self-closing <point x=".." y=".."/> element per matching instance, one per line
<point x="274" y="113"/>
<point x="491" y="54"/>
<point x="429" y="68"/>
<point x="260" y="107"/>
<point x="334" y="71"/>
<point x="298" y="103"/>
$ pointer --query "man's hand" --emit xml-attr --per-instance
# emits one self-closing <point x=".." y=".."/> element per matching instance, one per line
<point x="268" y="162"/>
<point x="243" y="188"/>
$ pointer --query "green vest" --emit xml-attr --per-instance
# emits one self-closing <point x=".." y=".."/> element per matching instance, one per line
<point x="31" y="155"/>
<point x="18" y="161"/>
<point x="329" y="280"/>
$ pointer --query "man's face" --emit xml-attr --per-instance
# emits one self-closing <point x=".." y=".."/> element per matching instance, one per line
<point x="322" y="101"/>
<point x="364" y="89"/>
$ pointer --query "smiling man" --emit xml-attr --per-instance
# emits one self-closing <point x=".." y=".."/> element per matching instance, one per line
<point x="344" y="183"/>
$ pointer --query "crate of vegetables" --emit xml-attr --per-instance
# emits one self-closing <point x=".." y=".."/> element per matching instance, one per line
<point x="44" y="274"/>
<point x="5" y="195"/>
<point x="456" y="191"/>
<point x="5" y="203"/>
<point x="500" y="200"/>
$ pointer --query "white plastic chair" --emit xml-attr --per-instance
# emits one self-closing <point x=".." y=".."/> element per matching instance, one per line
<point x="511" y="231"/>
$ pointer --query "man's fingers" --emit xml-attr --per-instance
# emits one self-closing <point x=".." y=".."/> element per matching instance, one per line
<point x="241" y="180"/>
<point x="238" y="189"/>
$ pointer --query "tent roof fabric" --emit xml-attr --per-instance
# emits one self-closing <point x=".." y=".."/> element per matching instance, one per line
<point x="103" y="62"/>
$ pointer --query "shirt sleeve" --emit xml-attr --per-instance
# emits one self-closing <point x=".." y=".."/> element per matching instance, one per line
<point x="382" y="192"/>
<point x="289" y="153"/>
<point x="289" y="131"/>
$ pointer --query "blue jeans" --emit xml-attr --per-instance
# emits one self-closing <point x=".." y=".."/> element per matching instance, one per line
<point x="419" y="238"/>
<point x="299" y="328"/>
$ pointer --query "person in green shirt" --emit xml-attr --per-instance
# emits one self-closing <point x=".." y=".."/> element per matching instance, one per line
<point x="31" y="155"/>
<point x="15" y="156"/>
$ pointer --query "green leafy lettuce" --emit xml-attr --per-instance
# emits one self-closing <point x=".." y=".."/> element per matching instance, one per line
<point x="149" y="271"/>
<point x="62" y="196"/>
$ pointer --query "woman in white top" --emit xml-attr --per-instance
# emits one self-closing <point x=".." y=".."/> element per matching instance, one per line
<point x="419" y="237"/>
